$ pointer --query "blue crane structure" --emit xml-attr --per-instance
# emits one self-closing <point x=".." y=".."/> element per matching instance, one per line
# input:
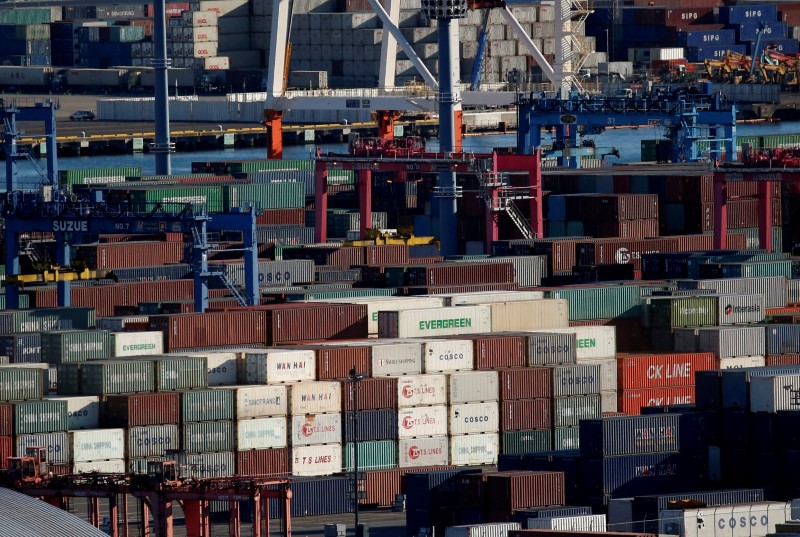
<point x="50" y="209"/>
<point x="690" y="115"/>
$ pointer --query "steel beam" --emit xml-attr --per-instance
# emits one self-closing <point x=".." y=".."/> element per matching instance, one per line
<point x="320" y="201"/>
<point x="364" y="201"/>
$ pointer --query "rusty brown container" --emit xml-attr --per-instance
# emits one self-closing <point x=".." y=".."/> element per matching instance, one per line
<point x="266" y="462"/>
<point x="630" y="229"/>
<point x="507" y="491"/>
<point x="525" y="414"/>
<point x="131" y="254"/>
<point x="526" y="383"/>
<point x="160" y="291"/>
<point x="560" y="254"/>
<point x="317" y="322"/>
<point x="473" y="489"/>
<point x="335" y="362"/>
<point x="6" y="420"/>
<point x="193" y="330"/>
<point x="282" y="217"/>
<point x="137" y="410"/>
<point x="103" y="298"/>
<point x="6" y="450"/>
<point x="373" y="394"/>
<point x="743" y="213"/>
<point x="692" y="189"/>
<point x="493" y="352"/>
<point x="467" y="288"/>
<point x="345" y="256"/>
<point x="381" y="486"/>
<point x="626" y="206"/>
<point x="444" y="274"/>
<point x="388" y="254"/>
<point x="783" y="359"/>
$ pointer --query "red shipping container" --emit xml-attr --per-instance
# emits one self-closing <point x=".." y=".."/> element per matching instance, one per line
<point x="131" y="254"/>
<point x="6" y="420"/>
<point x="373" y="394"/>
<point x="661" y="370"/>
<point x="743" y="213"/>
<point x="317" y="322"/>
<point x="450" y="289"/>
<point x="263" y="462"/>
<point x="335" y="362"/>
<point x="693" y="189"/>
<point x="630" y="229"/>
<point x="527" y="383"/>
<point x="6" y="450"/>
<point x="217" y="329"/>
<point x="472" y="488"/>
<point x="103" y="298"/>
<point x="493" y="352"/>
<point x="140" y="409"/>
<point x="783" y="359"/>
<point x="525" y="414"/>
<point x="624" y="206"/>
<point x="388" y="254"/>
<point x="681" y="18"/>
<point x="282" y="217"/>
<point x="147" y="24"/>
<point x="160" y="291"/>
<point x="381" y="486"/>
<point x="560" y="254"/>
<point x="461" y="274"/>
<point x="508" y="491"/>
<point x="631" y="401"/>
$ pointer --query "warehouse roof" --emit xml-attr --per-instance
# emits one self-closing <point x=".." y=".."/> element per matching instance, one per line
<point x="24" y="516"/>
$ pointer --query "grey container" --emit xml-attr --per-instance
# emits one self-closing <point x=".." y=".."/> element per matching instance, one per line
<point x="180" y="372"/>
<point x="793" y="291"/>
<point x="22" y="383"/>
<point x="568" y="411"/>
<point x="773" y="288"/>
<point x="106" y="377"/>
<point x="736" y="383"/>
<point x="782" y="338"/>
<point x="575" y="379"/>
<point x="208" y="405"/>
<point x="64" y="346"/>
<point x="42" y="320"/>
<point x="724" y="341"/>
<point x="22" y="348"/>
<point x="566" y="438"/>
<point x="551" y="349"/>
<point x="208" y="436"/>
<point x="152" y="440"/>
<point x="40" y="417"/>
<point x="204" y="465"/>
<point x="274" y="272"/>
<point x="630" y="435"/>
<point x="57" y="444"/>
<point x="528" y="269"/>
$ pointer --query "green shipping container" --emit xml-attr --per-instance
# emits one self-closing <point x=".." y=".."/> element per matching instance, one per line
<point x="181" y="373"/>
<point x="758" y="268"/>
<point x="208" y="436"/>
<point x="21" y="383"/>
<point x="250" y="166"/>
<point x="374" y="455"/>
<point x="780" y="140"/>
<point x="519" y="442"/>
<point x="69" y="379"/>
<point x="75" y="346"/>
<point x="115" y="174"/>
<point x="24" y="301"/>
<point x="208" y="405"/>
<point x="265" y="195"/>
<point x="174" y="198"/>
<point x="566" y="438"/>
<point x="126" y="34"/>
<point x="40" y="417"/>
<point x="106" y="377"/>
<point x="568" y="411"/>
<point x="30" y="15"/>
<point x="601" y="302"/>
<point x="46" y="319"/>
<point x="674" y="312"/>
<point x="344" y="293"/>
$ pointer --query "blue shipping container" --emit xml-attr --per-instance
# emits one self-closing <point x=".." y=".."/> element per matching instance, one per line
<point x="372" y="425"/>
<point x="633" y="475"/>
<point x="735" y="429"/>
<point x="784" y="46"/>
<point x="736" y="383"/>
<point x="508" y="463"/>
<point x="164" y="272"/>
<point x="749" y="31"/>
<point x="748" y="13"/>
<point x="557" y="461"/>
<point x="316" y="496"/>
<point x="708" y="389"/>
<point x="629" y="435"/>
<point x="783" y="338"/>
<point x="712" y="52"/>
<point x="706" y="38"/>
<point x="556" y="208"/>
<point x="22" y="348"/>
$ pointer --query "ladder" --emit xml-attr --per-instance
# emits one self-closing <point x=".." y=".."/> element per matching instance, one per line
<point x="491" y="181"/>
<point x="198" y="241"/>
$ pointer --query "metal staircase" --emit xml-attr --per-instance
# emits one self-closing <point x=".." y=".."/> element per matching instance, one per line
<point x="491" y="181"/>
<point x="200" y="241"/>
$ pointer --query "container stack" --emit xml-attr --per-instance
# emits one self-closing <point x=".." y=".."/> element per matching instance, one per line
<point x="629" y="216"/>
<point x="316" y="427"/>
<point x="208" y="434"/>
<point x="25" y="44"/>
<point x="194" y="40"/>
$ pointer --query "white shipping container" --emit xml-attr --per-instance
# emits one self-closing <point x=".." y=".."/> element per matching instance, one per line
<point x="740" y="309"/>
<point x="204" y="465"/>
<point x="473" y="386"/>
<point x="287" y="272"/>
<point x="396" y="359"/>
<point x="732" y="341"/>
<point x="592" y="341"/>
<point x="152" y="440"/>
<point x="489" y="297"/>
<point x="275" y="366"/>
<point x="137" y="343"/>
<point x="261" y="433"/>
<point x="199" y="18"/>
<point x="114" y="466"/>
<point x="214" y="63"/>
<point x="97" y="445"/>
<point x="429" y="322"/>
<point x="57" y="445"/>
<point x="83" y="411"/>
<point x="312" y="429"/>
<point x="221" y="367"/>
<point x="529" y="315"/>
<point x="388" y="303"/>
<point x="206" y="49"/>
<point x="418" y="390"/>
<point x="431" y="451"/>
<point x="422" y="421"/>
<point x="474" y="449"/>
<point x="775" y="393"/>
<point x="316" y="397"/>
<point x="201" y="34"/>
<point x="235" y="8"/>
<point x="593" y="523"/>
<point x="497" y="529"/>
<point x="738" y="362"/>
<point x="760" y="520"/>
<point x="472" y="418"/>
<point x="447" y="355"/>
<point x="325" y="459"/>
<point x="260" y="401"/>
<point x="672" y="53"/>
<point x="608" y="371"/>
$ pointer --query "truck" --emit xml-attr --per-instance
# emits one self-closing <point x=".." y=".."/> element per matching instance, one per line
<point x="22" y="78"/>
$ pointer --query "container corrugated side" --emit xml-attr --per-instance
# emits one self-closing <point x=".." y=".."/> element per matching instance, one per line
<point x="263" y="462"/>
<point x="530" y="441"/>
<point x="180" y="373"/>
<point x="630" y="435"/>
<point x="774" y="288"/>
<point x="325" y="459"/>
<point x="207" y="405"/>
<point x="568" y="411"/>
<point x="661" y="370"/>
<point x="575" y="379"/>
<point x="137" y="343"/>
<point x="57" y="445"/>
<point x="566" y="438"/>
<point x="113" y="466"/>
<point x="430" y="322"/>
<point x="600" y="302"/>
<point x="482" y="530"/>
<point x="309" y="429"/>
<point x="208" y="436"/>
<point x="260" y="401"/>
<point x="17" y="383"/>
<point x="261" y="433"/>
<point x="583" y="523"/>
<point x="528" y="269"/>
<point x="415" y="390"/>
<point x="423" y="451"/>
<point x="47" y="416"/>
<point x="389" y="303"/>
<point x="204" y="465"/>
<point x="525" y="414"/>
<point x="222" y="367"/>
<point x="488" y="297"/>
<point x="495" y="351"/>
<point x="141" y="409"/>
<point x="315" y="397"/>
<point x="591" y="341"/>
<point x="473" y="386"/>
<point x="767" y="515"/>
<point x="447" y="355"/>
<point x="783" y="339"/>
<point x="732" y="341"/>
<point x="526" y="383"/>
<point x="274" y="272"/>
<point x="372" y="425"/>
<point x="105" y="377"/>
<point x="373" y="393"/>
<point x="549" y="348"/>
<point x="97" y="445"/>
<point x="152" y="440"/>
<point x="608" y="371"/>
<point x="474" y="418"/>
<point x="75" y="346"/>
<point x="774" y="393"/>
<point x="507" y="492"/>
<point x="632" y="400"/>
<point x="422" y="421"/>
<point x="396" y="359"/>
<point x="531" y="315"/>
<point x="372" y="455"/>
<point x="274" y="366"/>
<point x="83" y="411"/>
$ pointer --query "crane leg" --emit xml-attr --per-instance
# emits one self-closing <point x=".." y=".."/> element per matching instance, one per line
<point x="273" y="120"/>
<point x="385" y="120"/>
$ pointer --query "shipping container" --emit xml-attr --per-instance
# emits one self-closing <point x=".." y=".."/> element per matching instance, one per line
<point x="152" y="440"/>
<point x="575" y="379"/>
<point x="631" y="475"/>
<point x="136" y="344"/>
<point x="315" y="397"/>
<point x="525" y="414"/>
<point x="372" y="425"/>
<point x="661" y="370"/>
<point x="599" y="302"/>
<point x="551" y="349"/>
<point x="630" y="435"/>
<point x="416" y="390"/>
<point x="736" y="383"/>
<point x="422" y="421"/>
<point x="190" y="331"/>
<point x="207" y="405"/>
<point x="180" y="372"/>
<point x="530" y="441"/>
<point x="763" y="516"/>
<point x="488" y="297"/>
<point x="427" y="322"/>
<point x="208" y="436"/>
<point x="492" y="352"/>
<point x="204" y="465"/>
<point x="44" y="319"/>
<point x="529" y="315"/>
<point x="141" y="409"/>
<point x="473" y="386"/>
<point x="22" y="348"/>
<point x="396" y="359"/>
<point x="782" y="339"/>
<point x="57" y="445"/>
<point x="473" y="418"/>
<point x="722" y="341"/>
<point x="390" y="303"/>
<point x="568" y="411"/>
<point x="774" y="393"/>
<point x="372" y="455"/>
<point x="526" y="383"/>
<point x="509" y="491"/>
<point x="259" y="401"/>
<point x="632" y="400"/>
<point x="579" y="523"/>
<point x="262" y="433"/>
<point x="423" y="451"/>
<point x="738" y="362"/>
<point x="97" y="445"/>
<point x="774" y="288"/>
<point x="270" y="366"/>
<point x="482" y="530"/>
<point x="83" y="412"/>
<point x="113" y="466"/>
<point x="22" y="383"/>
<point x="47" y="416"/>
<point x="591" y="341"/>
<point x="312" y="429"/>
<point x="323" y="459"/>
<point x="447" y="355"/>
<point x="106" y="377"/>
<point x="474" y="449"/>
<point x="263" y="462"/>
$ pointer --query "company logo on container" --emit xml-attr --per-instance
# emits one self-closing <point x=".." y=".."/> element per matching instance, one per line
<point x="285" y="366"/>
<point x="415" y="452"/>
<point x="753" y="308"/>
<point x="410" y="391"/>
<point x="656" y="470"/>
<point x="309" y="429"/>
<point x="654" y="433"/>
<point x="322" y="396"/>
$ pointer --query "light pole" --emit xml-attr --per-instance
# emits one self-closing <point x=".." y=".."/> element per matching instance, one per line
<point x="608" y="50"/>
<point x="354" y="378"/>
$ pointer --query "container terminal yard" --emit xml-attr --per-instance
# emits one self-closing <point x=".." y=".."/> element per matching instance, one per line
<point x="396" y="340"/>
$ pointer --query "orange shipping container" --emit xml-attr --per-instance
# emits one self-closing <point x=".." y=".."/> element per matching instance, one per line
<point x="131" y="254"/>
<point x="193" y="330"/>
<point x="661" y="370"/>
<point x="632" y="401"/>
